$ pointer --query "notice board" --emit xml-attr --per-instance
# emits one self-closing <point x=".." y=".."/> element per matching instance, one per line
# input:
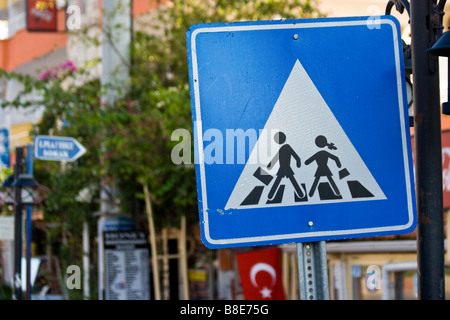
<point x="127" y="274"/>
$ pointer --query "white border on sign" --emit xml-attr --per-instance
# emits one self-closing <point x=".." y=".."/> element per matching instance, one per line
<point x="199" y="131"/>
<point x="57" y="138"/>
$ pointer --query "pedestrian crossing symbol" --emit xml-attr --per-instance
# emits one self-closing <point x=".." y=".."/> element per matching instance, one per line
<point x="305" y="164"/>
<point x="293" y="144"/>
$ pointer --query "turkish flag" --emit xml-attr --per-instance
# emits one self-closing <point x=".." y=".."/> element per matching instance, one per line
<point x="260" y="273"/>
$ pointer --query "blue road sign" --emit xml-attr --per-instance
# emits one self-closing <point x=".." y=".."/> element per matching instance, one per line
<point x="301" y="130"/>
<point x="4" y="148"/>
<point x="57" y="148"/>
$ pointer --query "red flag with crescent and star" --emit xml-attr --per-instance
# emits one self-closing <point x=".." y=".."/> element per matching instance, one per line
<point x="260" y="273"/>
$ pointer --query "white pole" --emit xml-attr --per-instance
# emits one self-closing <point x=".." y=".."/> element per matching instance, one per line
<point x="115" y="48"/>
<point x="101" y="266"/>
<point x="86" y="288"/>
<point x="114" y="76"/>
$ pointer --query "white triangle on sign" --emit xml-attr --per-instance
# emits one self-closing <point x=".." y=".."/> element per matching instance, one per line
<point x="303" y="115"/>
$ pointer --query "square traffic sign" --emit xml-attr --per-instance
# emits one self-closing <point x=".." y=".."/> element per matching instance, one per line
<point x="300" y="130"/>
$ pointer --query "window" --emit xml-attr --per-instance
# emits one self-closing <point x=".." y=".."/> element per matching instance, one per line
<point x="4" y="29"/>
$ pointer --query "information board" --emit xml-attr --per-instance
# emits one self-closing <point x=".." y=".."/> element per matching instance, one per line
<point x="127" y="274"/>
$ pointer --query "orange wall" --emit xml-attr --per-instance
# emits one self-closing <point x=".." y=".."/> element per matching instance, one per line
<point x="445" y="124"/>
<point x="25" y="46"/>
<point x="143" y="6"/>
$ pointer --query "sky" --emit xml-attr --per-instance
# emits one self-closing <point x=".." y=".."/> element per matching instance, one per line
<point x="343" y="8"/>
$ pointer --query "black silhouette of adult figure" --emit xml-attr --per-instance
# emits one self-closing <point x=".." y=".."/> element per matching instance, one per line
<point x="321" y="158"/>
<point x="284" y="156"/>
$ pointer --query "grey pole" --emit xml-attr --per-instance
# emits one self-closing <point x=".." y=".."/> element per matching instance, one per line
<point x="17" y="279"/>
<point x="428" y="161"/>
<point x="313" y="271"/>
<point x="114" y="81"/>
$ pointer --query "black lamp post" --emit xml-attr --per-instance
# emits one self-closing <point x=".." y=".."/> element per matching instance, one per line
<point x="442" y="48"/>
<point x="28" y="187"/>
<point x="20" y="190"/>
<point x="9" y="190"/>
<point x="426" y="28"/>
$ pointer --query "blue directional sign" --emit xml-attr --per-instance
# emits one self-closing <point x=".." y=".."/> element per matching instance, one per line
<point x="4" y="148"/>
<point x="57" y="148"/>
<point x="301" y="130"/>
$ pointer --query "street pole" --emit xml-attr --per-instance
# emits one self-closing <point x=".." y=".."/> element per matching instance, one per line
<point x="115" y="74"/>
<point x="86" y="262"/>
<point x="17" y="279"/>
<point x="29" y="227"/>
<point x="428" y="161"/>
<point x="313" y="271"/>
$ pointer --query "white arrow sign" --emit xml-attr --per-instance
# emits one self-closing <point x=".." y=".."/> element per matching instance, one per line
<point x="57" y="148"/>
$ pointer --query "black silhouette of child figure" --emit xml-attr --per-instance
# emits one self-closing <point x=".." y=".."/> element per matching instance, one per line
<point x="284" y="156"/>
<point x="321" y="158"/>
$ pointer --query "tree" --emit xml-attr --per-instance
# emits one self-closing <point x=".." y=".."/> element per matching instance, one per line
<point x="159" y="101"/>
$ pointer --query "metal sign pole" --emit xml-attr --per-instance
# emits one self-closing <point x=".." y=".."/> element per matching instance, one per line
<point x="313" y="271"/>
<point x="428" y="153"/>
<point x="18" y="169"/>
